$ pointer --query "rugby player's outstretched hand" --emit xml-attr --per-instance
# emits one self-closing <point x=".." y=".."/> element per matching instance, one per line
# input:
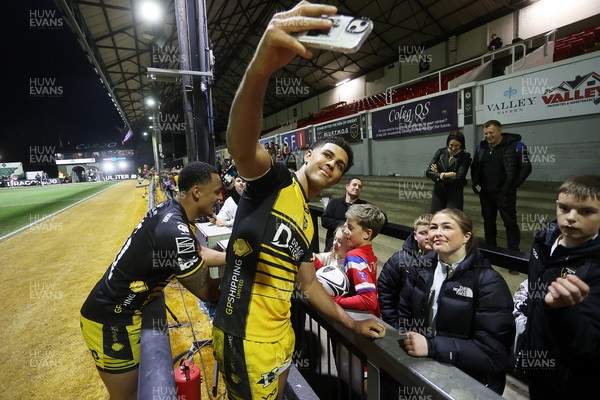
<point x="278" y="47"/>
<point x="370" y="328"/>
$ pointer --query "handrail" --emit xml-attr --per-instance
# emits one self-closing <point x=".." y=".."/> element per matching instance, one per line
<point x="480" y="58"/>
<point x="549" y="37"/>
<point x="423" y="376"/>
<point x="511" y="48"/>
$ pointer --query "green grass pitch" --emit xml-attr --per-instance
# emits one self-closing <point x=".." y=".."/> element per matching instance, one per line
<point x="21" y="206"/>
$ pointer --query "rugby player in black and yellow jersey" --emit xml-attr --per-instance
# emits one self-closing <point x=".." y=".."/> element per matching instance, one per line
<point x="269" y="249"/>
<point x="162" y="246"/>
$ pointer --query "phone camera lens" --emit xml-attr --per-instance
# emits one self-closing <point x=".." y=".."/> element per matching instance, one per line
<point x="352" y="27"/>
<point x="363" y="23"/>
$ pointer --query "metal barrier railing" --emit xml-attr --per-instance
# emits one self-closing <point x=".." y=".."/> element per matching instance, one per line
<point x="390" y="372"/>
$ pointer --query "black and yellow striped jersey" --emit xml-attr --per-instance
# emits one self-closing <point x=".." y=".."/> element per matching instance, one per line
<point x="161" y="246"/>
<point x="271" y="236"/>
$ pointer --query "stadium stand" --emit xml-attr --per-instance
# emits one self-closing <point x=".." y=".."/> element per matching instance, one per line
<point x="585" y="41"/>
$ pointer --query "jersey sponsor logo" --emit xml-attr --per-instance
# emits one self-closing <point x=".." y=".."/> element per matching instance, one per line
<point x="241" y="248"/>
<point x="185" y="264"/>
<point x="138" y="286"/>
<point x="282" y="236"/>
<point x="185" y="245"/>
<point x="183" y="227"/>
<point x="235" y="287"/>
<point x="118" y="309"/>
<point x="129" y="299"/>
<point x="167" y="217"/>
<point x="463" y="291"/>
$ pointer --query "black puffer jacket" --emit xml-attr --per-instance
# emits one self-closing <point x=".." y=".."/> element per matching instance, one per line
<point x="516" y="161"/>
<point x="561" y="347"/>
<point x="474" y="323"/>
<point x="392" y="278"/>
<point x="459" y="164"/>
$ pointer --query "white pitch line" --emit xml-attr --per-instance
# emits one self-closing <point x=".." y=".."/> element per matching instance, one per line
<point x="52" y="215"/>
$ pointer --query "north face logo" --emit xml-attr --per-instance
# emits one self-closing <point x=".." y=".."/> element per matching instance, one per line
<point x="463" y="291"/>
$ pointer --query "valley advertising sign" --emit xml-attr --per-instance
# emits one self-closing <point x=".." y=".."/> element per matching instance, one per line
<point x="433" y="115"/>
<point x="560" y="92"/>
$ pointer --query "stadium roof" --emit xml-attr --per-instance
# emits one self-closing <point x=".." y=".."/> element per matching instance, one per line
<point x="121" y="46"/>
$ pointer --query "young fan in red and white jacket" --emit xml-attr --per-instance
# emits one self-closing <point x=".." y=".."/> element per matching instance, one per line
<point x="363" y="223"/>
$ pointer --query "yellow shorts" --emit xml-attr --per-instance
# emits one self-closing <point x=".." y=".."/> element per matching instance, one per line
<point x="115" y="348"/>
<point x="251" y="369"/>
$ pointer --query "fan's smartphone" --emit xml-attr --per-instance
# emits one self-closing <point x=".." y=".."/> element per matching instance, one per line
<point x="229" y="175"/>
<point x="346" y="35"/>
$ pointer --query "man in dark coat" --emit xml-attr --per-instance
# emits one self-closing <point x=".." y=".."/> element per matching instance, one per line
<point x="500" y="165"/>
<point x="495" y="42"/>
<point x="335" y="213"/>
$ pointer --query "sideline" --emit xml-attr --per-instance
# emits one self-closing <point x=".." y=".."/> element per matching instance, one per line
<point x="8" y="235"/>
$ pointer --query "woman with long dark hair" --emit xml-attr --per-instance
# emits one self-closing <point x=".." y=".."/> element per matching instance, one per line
<point x="448" y="171"/>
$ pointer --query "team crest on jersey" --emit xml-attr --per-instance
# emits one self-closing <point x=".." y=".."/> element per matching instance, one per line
<point x="241" y="248"/>
<point x="138" y="286"/>
<point x="362" y="275"/>
<point x="269" y="377"/>
<point x="117" y="346"/>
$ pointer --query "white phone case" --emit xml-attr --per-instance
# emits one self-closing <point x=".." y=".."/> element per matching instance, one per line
<point x="345" y="36"/>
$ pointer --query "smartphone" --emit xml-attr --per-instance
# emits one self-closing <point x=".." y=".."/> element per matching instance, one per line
<point x="346" y="35"/>
<point x="229" y="175"/>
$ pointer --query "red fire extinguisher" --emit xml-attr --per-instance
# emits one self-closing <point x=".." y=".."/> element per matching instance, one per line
<point x="188" y="380"/>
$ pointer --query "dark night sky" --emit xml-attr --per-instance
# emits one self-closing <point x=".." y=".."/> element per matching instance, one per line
<point x="73" y="105"/>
